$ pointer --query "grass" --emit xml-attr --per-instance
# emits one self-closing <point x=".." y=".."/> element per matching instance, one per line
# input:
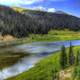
<point x="7" y="59"/>
<point x="53" y="35"/>
<point x="43" y="69"/>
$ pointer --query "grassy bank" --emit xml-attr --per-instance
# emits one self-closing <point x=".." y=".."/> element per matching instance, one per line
<point x="53" y="35"/>
<point x="44" y="69"/>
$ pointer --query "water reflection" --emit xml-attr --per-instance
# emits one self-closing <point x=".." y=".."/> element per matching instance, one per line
<point x="21" y="66"/>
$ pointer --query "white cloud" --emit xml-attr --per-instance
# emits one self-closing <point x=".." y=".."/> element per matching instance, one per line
<point x="51" y="10"/>
<point x="43" y="9"/>
<point x="10" y="2"/>
<point x="28" y="2"/>
<point x="18" y="2"/>
<point x="39" y="8"/>
<point x="23" y="2"/>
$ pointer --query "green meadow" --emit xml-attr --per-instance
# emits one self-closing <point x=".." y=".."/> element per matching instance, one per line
<point x="55" y="35"/>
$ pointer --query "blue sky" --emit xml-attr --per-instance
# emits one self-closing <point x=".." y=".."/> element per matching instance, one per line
<point x="69" y="6"/>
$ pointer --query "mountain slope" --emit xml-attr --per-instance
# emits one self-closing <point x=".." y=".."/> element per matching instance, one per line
<point x="13" y="23"/>
<point x="58" y="19"/>
<point x="28" y="21"/>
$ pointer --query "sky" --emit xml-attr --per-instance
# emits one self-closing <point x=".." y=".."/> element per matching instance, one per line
<point x="68" y="6"/>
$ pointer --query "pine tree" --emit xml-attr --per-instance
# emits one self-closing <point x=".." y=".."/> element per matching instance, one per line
<point x="78" y="58"/>
<point x="76" y="73"/>
<point x="71" y="55"/>
<point x="63" y="58"/>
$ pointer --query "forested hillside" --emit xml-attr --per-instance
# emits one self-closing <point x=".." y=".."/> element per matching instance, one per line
<point x="38" y="22"/>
